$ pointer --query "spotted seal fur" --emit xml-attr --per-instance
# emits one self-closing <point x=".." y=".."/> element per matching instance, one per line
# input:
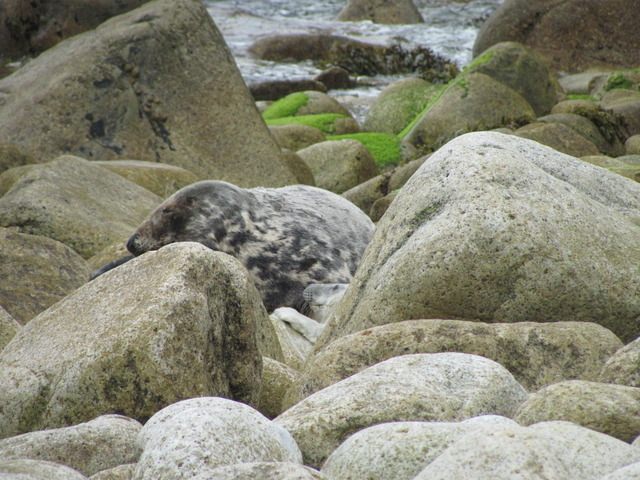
<point x="287" y="237"/>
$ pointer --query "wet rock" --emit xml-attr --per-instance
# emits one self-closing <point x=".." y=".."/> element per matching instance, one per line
<point x="536" y="354"/>
<point x="501" y="229"/>
<point x="75" y="202"/>
<point x="30" y="27"/>
<point x="544" y="450"/>
<point x="339" y="165"/>
<point x="605" y="408"/>
<point x="159" y="178"/>
<point x="428" y="387"/>
<point x="381" y="11"/>
<point x="520" y="69"/>
<point x="105" y="442"/>
<point x="556" y="31"/>
<point x="36" y="273"/>
<point x="559" y="137"/>
<point x="192" y="437"/>
<point x="276" y="89"/>
<point x="180" y="322"/>
<point x="121" y="91"/>
<point x="25" y="469"/>
<point x="473" y="102"/>
<point x="336" y="78"/>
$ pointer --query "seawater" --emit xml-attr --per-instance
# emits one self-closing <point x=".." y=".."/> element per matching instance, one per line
<point x="449" y="30"/>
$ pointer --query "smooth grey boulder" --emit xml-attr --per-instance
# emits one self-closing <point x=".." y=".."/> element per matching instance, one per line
<point x="429" y="387"/>
<point x="75" y="202"/>
<point x="398" y="450"/>
<point x="544" y="450"/>
<point x="37" y="272"/>
<point x="157" y="83"/>
<point x="536" y="354"/>
<point x="102" y="443"/>
<point x="194" y="436"/>
<point x="603" y="407"/>
<point x="26" y="469"/>
<point x="501" y="229"/>
<point x="262" y="471"/>
<point x="180" y="322"/>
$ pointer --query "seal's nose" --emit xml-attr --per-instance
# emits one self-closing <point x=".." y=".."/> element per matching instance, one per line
<point x="131" y="244"/>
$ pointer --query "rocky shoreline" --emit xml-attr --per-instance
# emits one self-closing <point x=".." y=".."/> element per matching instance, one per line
<point x="491" y="331"/>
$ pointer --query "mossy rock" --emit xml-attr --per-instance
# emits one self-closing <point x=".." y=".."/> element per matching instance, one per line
<point x="399" y="104"/>
<point x="384" y="148"/>
<point x="330" y="123"/>
<point x="286" y="106"/>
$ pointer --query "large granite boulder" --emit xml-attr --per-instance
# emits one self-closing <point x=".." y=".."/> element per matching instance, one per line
<point x="36" y="273"/>
<point x="536" y="354"/>
<point x="570" y="35"/>
<point x="102" y="443"/>
<point x="544" y="450"/>
<point x="501" y="229"/>
<point x="194" y="436"/>
<point x="430" y="387"/>
<point x="381" y="11"/>
<point x="606" y="408"/>
<point x="474" y="101"/>
<point x="29" y="27"/>
<point x="157" y="83"/>
<point x="177" y="323"/>
<point x="75" y="202"/>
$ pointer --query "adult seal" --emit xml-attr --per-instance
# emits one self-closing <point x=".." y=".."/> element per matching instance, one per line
<point x="287" y="238"/>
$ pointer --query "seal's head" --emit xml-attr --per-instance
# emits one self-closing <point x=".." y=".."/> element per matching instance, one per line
<point x="196" y="213"/>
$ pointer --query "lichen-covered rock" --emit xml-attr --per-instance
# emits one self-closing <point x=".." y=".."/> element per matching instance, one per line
<point x="36" y="273"/>
<point x="26" y="469"/>
<point x="398" y="450"/>
<point x="398" y="104"/>
<point x="159" y="178"/>
<point x="194" y="436"/>
<point x="556" y="31"/>
<point x="473" y="102"/>
<point x="105" y="442"/>
<point x="8" y="327"/>
<point x="277" y="377"/>
<point x="75" y="202"/>
<point x="262" y="471"/>
<point x="536" y="354"/>
<point x="122" y="91"/>
<point x="388" y="12"/>
<point x="520" y="69"/>
<point x="428" y="387"/>
<point x="501" y="229"/>
<point x="177" y="323"/>
<point x="606" y="408"/>
<point x="559" y="137"/>
<point x="623" y="367"/>
<point x="544" y="450"/>
<point x="340" y="165"/>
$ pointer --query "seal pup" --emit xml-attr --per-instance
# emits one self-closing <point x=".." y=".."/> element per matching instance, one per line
<point x="287" y="238"/>
<point x="322" y="299"/>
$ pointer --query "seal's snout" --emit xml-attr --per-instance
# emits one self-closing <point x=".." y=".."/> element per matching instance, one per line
<point x="132" y="244"/>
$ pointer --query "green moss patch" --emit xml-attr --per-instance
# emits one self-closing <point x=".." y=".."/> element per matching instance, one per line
<point x="618" y="81"/>
<point x="582" y="97"/>
<point x="384" y="148"/>
<point x="408" y="128"/>
<point x="286" y="106"/>
<point x="324" y="122"/>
